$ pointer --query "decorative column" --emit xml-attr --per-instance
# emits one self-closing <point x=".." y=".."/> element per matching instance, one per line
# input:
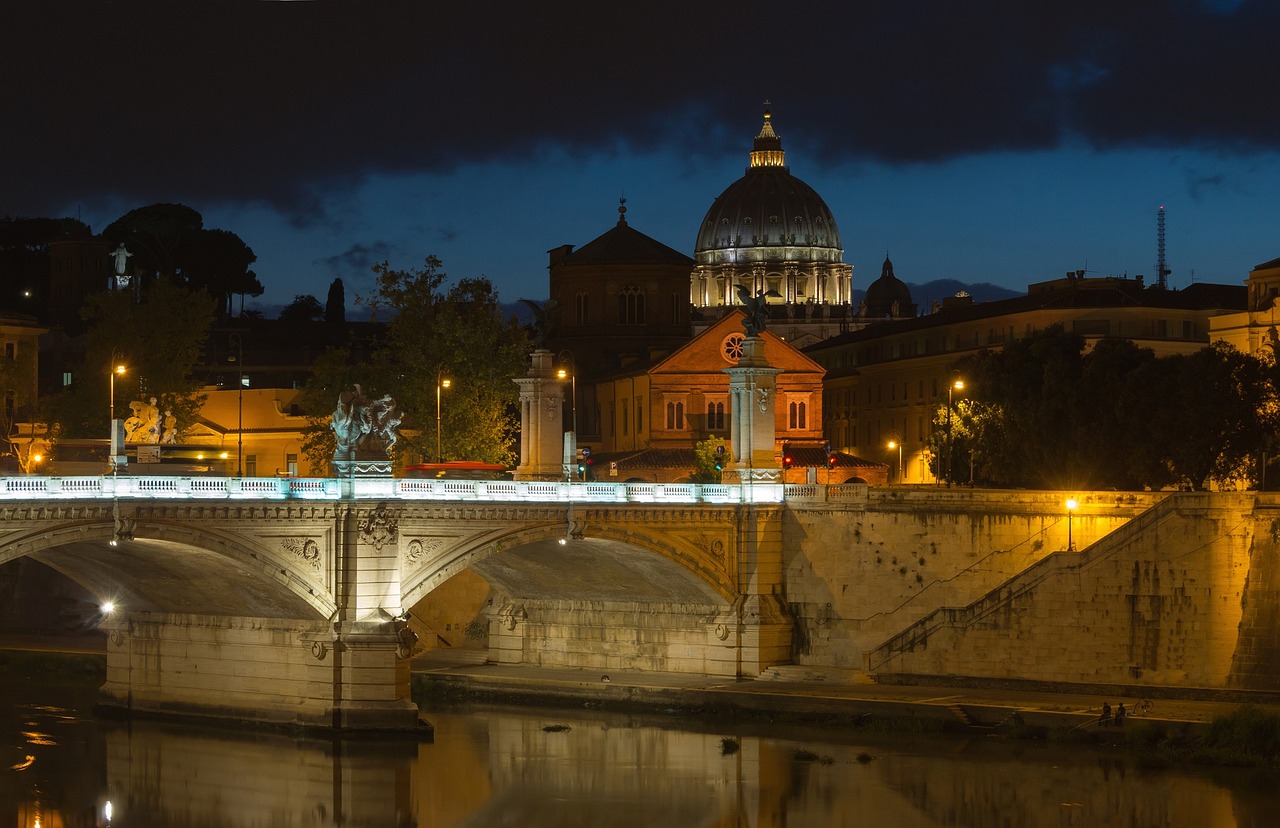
<point x="752" y="385"/>
<point x="758" y="621"/>
<point x="541" y="418"/>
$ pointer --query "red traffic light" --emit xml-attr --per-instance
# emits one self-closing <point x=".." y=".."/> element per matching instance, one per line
<point x="787" y="461"/>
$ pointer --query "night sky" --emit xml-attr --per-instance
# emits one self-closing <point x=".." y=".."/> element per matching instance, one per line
<point x="1000" y="142"/>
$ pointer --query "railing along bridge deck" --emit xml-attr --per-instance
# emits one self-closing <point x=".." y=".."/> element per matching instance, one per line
<point x="391" y="488"/>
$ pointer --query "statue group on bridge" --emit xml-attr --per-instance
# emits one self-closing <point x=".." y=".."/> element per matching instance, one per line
<point x="363" y="426"/>
<point x="148" y="425"/>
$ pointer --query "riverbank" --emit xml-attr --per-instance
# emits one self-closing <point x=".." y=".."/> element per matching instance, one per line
<point x="937" y="702"/>
<point x="933" y="701"/>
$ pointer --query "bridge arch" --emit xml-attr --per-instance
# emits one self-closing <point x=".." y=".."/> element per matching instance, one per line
<point x="584" y="556"/>
<point x="167" y="567"/>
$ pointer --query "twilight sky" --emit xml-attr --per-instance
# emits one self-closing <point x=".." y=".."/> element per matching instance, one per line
<point x="999" y="141"/>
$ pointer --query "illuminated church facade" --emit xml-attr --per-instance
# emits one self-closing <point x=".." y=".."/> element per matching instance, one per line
<point x="639" y="328"/>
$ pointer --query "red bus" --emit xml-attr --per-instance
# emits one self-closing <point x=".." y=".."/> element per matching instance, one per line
<point x="458" y="470"/>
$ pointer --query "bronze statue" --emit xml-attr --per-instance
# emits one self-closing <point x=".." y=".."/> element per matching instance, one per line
<point x="542" y="324"/>
<point x="360" y="425"/>
<point x="755" y="306"/>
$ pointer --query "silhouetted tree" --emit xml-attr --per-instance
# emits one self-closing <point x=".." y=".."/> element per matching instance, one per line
<point x="303" y="308"/>
<point x="153" y="235"/>
<point x="217" y="261"/>
<point x="335" y="307"/>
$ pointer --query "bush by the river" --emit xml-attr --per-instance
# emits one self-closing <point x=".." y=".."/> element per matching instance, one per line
<point x="1246" y="737"/>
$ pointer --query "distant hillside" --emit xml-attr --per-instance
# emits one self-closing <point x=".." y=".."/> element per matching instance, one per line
<point x="925" y="295"/>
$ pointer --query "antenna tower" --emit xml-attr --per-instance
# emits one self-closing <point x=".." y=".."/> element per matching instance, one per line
<point x="1162" y="266"/>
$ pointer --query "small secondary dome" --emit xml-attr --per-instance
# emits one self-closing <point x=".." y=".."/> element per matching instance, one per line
<point x="888" y="296"/>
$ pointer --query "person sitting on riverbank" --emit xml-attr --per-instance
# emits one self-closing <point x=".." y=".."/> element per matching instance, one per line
<point x="1120" y="714"/>
<point x="1105" y="719"/>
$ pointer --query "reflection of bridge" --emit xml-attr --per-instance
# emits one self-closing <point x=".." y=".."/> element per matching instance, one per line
<point x="285" y="599"/>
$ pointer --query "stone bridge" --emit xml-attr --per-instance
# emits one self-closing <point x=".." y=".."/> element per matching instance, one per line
<point x="286" y="600"/>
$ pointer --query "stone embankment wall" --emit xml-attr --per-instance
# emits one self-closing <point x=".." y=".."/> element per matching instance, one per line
<point x="1183" y="594"/>
<point x="857" y="574"/>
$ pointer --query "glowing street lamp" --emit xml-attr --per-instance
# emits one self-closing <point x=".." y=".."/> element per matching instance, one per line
<point x="116" y="368"/>
<point x="1072" y="505"/>
<point x="894" y="444"/>
<point x="956" y="385"/>
<point x="441" y="383"/>
<point x="571" y="375"/>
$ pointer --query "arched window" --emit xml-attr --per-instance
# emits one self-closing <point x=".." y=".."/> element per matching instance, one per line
<point x="631" y="306"/>
<point x="675" y="416"/>
<point x="581" y="313"/>
<point x="715" y="416"/>
<point x="797" y="416"/>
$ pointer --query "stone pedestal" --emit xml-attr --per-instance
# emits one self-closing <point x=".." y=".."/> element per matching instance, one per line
<point x="541" y="420"/>
<point x="752" y="387"/>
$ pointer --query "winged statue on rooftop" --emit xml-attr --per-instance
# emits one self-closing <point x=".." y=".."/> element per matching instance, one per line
<point x="754" y="324"/>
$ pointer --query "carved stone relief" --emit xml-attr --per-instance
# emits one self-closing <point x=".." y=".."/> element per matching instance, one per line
<point x="421" y="548"/>
<point x="305" y="549"/>
<point x="379" y="528"/>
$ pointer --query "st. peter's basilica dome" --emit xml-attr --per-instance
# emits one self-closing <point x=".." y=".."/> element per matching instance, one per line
<point x="770" y="231"/>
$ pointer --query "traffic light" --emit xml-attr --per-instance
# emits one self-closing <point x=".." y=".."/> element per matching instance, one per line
<point x="787" y="461"/>
<point x="720" y="458"/>
<point x="582" y="470"/>
<point x="831" y="460"/>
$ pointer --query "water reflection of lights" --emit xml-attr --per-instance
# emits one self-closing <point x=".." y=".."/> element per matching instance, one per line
<point x="24" y="764"/>
<point x="35" y="737"/>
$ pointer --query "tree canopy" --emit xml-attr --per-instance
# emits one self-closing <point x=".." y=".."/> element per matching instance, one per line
<point x="303" y="308"/>
<point x="171" y="241"/>
<point x="434" y="331"/>
<point x="1043" y="413"/>
<point x="158" y="340"/>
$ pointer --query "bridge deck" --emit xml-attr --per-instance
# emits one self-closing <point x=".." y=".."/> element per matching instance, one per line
<point x="389" y="488"/>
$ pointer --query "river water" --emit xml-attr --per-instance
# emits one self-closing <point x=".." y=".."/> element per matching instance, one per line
<point x="492" y="766"/>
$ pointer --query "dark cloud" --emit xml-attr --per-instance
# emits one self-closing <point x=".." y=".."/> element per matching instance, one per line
<point x="357" y="259"/>
<point x="280" y="102"/>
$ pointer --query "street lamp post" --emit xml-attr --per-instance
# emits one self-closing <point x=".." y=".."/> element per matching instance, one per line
<point x="114" y="443"/>
<point x="441" y="383"/>
<point x="236" y="343"/>
<point x="956" y="385"/>
<point x="1071" y="508"/>
<point x="571" y="375"/>
<point x="895" y="444"/>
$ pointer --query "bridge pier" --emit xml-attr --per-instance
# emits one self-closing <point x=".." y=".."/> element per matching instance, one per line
<point x="284" y="672"/>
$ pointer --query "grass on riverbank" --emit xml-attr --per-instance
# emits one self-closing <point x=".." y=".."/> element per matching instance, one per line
<point x="1247" y="737"/>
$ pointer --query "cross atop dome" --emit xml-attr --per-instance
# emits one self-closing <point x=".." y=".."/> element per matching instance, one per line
<point x="767" y="150"/>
